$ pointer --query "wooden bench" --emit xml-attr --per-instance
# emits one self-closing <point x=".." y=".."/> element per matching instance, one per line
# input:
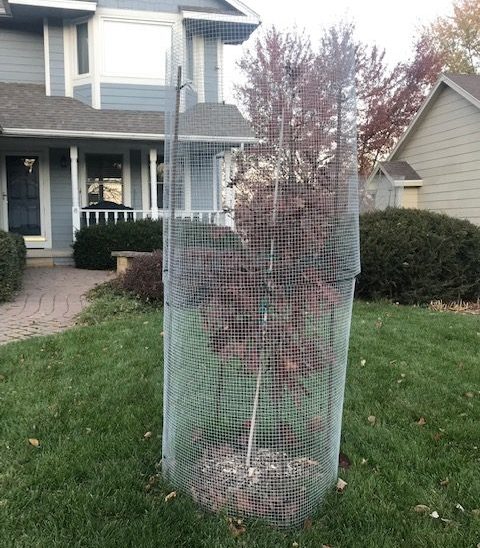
<point x="125" y="258"/>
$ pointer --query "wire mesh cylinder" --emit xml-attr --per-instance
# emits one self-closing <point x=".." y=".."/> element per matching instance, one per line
<point x="261" y="252"/>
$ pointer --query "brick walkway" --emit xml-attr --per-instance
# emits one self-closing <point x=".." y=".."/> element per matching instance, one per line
<point x="48" y="303"/>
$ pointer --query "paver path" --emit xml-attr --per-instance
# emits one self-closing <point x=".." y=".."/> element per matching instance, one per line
<point x="48" y="303"/>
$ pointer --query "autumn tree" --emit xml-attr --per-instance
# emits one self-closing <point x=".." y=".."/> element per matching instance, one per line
<point x="387" y="98"/>
<point x="457" y="37"/>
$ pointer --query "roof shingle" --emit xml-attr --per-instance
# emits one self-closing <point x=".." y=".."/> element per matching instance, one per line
<point x="400" y="171"/>
<point x="469" y="82"/>
<point x="25" y="106"/>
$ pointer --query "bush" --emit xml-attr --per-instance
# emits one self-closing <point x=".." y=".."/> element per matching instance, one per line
<point x="94" y="244"/>
<point x="144" y="278"/>
<point x="12" y="263"/>
<point x="413" y="256"/>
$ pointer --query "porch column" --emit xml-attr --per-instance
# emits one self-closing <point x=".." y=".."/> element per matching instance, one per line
<point x="75" y="194"/>
<point x="153" y="183"/>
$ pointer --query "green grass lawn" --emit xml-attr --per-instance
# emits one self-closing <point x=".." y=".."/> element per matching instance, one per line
<point x="89" y="396"/>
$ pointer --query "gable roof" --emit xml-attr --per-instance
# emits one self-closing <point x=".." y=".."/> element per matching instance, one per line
<point x="400" y="171"/>
<point x="466" y="85"/>
<point x="25" y="110"/>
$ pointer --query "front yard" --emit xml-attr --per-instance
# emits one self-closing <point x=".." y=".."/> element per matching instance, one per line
<point x="88" y="397"/>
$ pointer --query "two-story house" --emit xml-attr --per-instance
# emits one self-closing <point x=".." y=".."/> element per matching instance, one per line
<point x="84" y="86"/>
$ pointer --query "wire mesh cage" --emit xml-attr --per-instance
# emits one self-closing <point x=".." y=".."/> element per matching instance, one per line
<point x="261" y="251"/>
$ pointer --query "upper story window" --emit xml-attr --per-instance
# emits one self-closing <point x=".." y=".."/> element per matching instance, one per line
<point x="82" y="49"/>
<point x="135" y="49"/>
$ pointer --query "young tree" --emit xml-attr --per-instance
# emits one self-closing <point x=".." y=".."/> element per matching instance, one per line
<point x="387" y="98"/>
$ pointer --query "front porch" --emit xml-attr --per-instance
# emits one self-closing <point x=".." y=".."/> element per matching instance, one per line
<point x="50" y="191"/>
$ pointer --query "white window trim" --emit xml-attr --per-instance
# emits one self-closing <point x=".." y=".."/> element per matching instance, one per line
<point x="105" y="149"/>
<point x="46" y="55"/>
<point x="85" y="75"/>
<point x="58" y="4"/>
<point x="199" y="66"/>
<point x="34" y="242"/>
<point x="100" y="47"/>
<point x="220" y="69"/>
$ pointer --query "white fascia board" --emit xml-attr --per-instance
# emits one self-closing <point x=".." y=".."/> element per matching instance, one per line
<point x="219" y="139"/>
<point x="408" y="183"/>
<point x="78" y="5"/>
<point x="240" y="6"/>
<point x="23" y="132"/>
<point x="461" y="91"/>
<point x="223" y="17"/>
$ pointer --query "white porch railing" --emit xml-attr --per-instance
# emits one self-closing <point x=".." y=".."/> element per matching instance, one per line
<point x="90" y="217"/>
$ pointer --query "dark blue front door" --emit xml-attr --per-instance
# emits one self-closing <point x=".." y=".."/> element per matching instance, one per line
<point x="23" y="193"/>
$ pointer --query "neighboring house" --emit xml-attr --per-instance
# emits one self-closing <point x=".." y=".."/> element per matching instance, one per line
<point x="82" y="118"/>
<point x="436" y="164"/>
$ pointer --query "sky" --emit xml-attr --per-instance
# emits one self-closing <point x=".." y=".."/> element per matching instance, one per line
<point x="390" y="25"/>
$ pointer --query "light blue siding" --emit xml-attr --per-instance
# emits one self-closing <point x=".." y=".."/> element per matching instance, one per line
<point x="21" y="56"/>
<point x="135" y="97"/>
<point x="57" y="62"/>
<point x="83" y="93"/>
<point x="136" y="178"/>
<point x="211" y="70"/>
<point x="191" y="98"/>
<point x="60" y="199"/>
<point x="163" y="5"/>
<point x="201" y="183"/>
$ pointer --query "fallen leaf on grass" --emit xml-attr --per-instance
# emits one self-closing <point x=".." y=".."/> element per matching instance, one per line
<point x="372" y="419"/>
<point x="363" y="461"/>
<point x="344" y="461"/>
<point x="469" y="395"/>
<point x="341" y="485"/>
<point x="422" y="421"/>
<point x="147" y="435"/>
<point x="438" y="436"/>
<point x="307" y="524"/>
<point x="476" y="512"/>
<point x="295" y="545"/>
<point x="458" y="506"/>
<point x="170" y="496"/>
<point x="445" y="482"/>
<point x="422" y="508"/>
<point x="236" y="527"/>
<point x="34" y="442"/>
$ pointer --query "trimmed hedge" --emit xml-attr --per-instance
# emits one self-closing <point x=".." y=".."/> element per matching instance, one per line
<point x="414" y="256"/>
<point x="94" y="244"/>
<point x="13" y="255"/>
